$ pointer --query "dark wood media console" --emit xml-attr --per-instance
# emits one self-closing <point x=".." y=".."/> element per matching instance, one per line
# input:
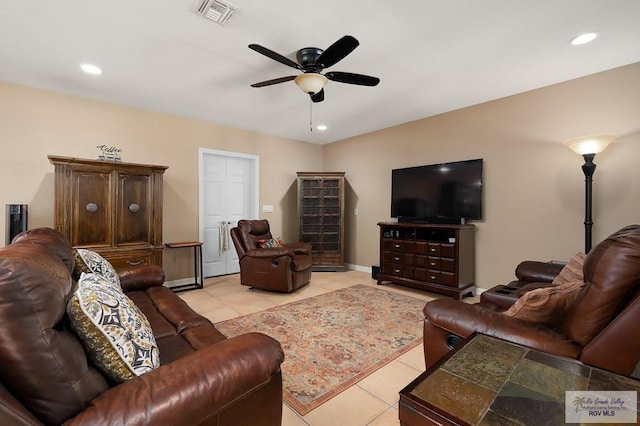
<point x="436" y="258"/>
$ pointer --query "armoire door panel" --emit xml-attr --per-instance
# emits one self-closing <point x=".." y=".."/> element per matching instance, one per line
<point x="134" y="214"/>
<point x="93" y="210"/>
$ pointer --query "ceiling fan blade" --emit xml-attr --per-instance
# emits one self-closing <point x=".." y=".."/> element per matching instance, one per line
<point x="274" y="81"/>
<point x="275" y="56"/>
<point x="318" y="97"/>
<point x="337" y="51"/>
<point x="351" y="78"/>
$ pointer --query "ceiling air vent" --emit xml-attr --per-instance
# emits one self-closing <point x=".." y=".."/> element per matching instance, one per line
<point x="215" y="10"/>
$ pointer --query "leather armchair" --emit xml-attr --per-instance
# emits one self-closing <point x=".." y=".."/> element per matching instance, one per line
<point x="599" y="329"/>
<point x="282" y="269"/>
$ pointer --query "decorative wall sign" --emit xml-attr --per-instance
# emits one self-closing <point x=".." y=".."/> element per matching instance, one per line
<point x="109" y="153"/>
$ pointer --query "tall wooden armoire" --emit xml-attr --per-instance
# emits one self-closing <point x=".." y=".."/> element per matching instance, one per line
<point x="112" y="208"/>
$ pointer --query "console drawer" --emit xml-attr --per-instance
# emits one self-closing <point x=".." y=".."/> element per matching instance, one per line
<point x="421" y="274"/>
<point x="408" y="259"/>
<point x="390" y="257"/>
<point x="447" y="265"/>
<point x="409" y="272"/>
<point x="433" y="249"/>
<point x="447" y="278"/>
<point x="447" y="250"/>
<point x="409" y="246"/>
<point x="397" y="270"/>
<point x="433" y="276"/>
<point x="434" y="262"/>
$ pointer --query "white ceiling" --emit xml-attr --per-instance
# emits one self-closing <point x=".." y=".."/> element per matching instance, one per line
<point x="432" y="56"/>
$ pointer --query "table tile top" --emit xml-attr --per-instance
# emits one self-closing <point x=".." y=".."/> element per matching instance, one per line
<point x="493" y="382"/>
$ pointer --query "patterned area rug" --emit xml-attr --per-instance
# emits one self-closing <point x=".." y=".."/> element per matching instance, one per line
<point x="334" y="340"/>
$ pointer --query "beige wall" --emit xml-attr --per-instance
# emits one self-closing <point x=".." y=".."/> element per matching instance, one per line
<point x="35" y="123"/>
<point x="534" y="186"/>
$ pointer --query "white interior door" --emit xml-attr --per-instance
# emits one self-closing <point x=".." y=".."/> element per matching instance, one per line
<point x="228" y="193"/>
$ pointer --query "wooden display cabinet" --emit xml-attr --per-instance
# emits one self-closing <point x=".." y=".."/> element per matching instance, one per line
<point x="112" y="208"/>
<point x="321" y="218"/>
<point x="436" y="258"/>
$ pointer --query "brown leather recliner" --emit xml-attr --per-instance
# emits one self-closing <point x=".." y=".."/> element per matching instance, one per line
<point x="46" y="376"/>
<point x="600" y="329"/>
<point x="270" y="268"/>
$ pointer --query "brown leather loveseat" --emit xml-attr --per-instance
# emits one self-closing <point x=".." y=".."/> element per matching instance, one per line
<point x="281" y="268"/>
<point x="600" y="328"/>
<point x="47" y="378"/>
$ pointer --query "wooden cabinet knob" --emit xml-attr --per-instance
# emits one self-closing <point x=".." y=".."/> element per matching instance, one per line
<point x="134" y="208"/>
<point x="91" y="207"/>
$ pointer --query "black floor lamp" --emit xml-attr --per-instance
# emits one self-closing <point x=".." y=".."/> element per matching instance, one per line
<point x="588" y="147"/>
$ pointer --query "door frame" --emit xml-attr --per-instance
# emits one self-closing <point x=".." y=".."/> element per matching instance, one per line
<point x="255" y="163"/>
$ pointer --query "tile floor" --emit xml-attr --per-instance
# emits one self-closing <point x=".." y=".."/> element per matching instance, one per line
<point x="374" y="400"/>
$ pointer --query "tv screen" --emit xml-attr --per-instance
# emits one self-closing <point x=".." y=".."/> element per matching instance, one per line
<point x="438" y="193"/>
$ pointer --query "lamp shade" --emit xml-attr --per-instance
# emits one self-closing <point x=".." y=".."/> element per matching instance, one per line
<point x="311" y="83"/>
<point x="589" y="144"/>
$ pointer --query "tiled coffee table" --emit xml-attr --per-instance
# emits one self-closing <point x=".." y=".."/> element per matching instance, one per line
<point x="488" y="381"/>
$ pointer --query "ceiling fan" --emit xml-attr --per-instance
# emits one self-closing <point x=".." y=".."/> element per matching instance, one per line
<point x="312" y="61"/>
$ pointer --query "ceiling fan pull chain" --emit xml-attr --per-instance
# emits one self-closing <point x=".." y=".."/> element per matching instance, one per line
<point x="310" y="115"/>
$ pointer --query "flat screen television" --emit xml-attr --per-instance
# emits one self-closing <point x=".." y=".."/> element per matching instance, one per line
<point x="438" y="193"/>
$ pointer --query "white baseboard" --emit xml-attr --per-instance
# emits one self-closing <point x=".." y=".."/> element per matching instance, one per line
<point x="358" y="268"/>
<point x="182" y="281"/>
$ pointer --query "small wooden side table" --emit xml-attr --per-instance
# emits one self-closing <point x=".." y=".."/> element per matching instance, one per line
<point x="197" y="265"/>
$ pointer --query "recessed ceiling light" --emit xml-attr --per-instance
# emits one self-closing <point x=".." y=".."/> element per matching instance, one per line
<point x="583" y="39"/>
<point x="322" y="127"/>
<point x="91" y="69"/>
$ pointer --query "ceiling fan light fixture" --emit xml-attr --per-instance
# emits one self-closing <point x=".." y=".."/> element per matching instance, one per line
<point x="311" y="83"/>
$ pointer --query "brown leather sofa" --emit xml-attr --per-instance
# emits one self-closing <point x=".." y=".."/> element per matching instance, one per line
<point x="46" y="377"/>
<point x="599" y="329"/>
<point x="282" y="269"/>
